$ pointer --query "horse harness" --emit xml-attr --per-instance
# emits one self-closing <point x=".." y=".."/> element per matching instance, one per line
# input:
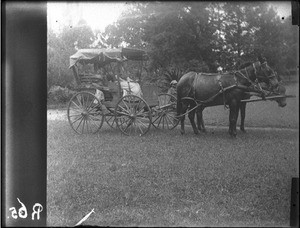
<point x="255" y="87"/>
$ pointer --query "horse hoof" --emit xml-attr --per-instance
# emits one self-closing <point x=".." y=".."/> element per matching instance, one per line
<point x="182" y="132"/>
<point x="243" y="130"/>
<point x="196" y="132"/>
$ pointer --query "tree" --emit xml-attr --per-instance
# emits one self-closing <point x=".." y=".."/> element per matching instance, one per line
<point x="237" y="33"/>
<point x="289" y="46"/>
<point x="60" y="47"/>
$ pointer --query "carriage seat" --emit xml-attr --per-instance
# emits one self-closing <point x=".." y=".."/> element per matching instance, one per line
<point x="113" y="87"/>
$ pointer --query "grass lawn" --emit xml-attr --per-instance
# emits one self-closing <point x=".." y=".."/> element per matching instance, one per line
<point x="166" y="179"/>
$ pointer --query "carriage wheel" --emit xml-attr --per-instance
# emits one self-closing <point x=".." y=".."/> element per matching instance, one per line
<point x="84" y="113"/>
<point x="133" y="115"/>
<point x="164" y="116"/>
<point x="110" y="119"/>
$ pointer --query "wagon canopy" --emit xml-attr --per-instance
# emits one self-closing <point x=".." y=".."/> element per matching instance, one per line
<point x="104" y="56"/>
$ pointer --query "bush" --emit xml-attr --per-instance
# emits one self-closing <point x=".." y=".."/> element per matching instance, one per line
<point x="58" y="94"/>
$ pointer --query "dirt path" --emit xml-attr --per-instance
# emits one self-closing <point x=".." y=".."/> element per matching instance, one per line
<point x="61" y="114"/>
<point x="57" y="114"/>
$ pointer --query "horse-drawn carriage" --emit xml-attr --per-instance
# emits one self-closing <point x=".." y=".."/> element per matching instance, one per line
<point x="100" y="71"/>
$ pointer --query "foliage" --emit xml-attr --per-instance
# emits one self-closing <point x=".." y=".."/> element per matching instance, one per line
<point x="60" y="47"/>
<point x="59" y="94"/>
<point x="181" y="37"/>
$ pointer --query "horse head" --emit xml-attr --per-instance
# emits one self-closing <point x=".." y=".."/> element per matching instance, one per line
<point x="266" y="74"/>
<point x="269" y="80"/>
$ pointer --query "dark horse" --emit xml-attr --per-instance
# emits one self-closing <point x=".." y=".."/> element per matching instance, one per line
<point x="280" y="90"/>
<point x="221" y="89"/>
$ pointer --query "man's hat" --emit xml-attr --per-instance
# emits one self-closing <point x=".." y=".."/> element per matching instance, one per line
<point x="174" y="82"/>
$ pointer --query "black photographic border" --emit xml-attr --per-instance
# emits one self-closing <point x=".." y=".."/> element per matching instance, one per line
<point x="24" y="116"/>
<point x="24" y="112"/>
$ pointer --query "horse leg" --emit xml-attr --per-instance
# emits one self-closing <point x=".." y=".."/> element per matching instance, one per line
<point x="243" y="115"/>
<point x="233" y="113"/>
<point x="182" y="125"/>
<point x="200" y="121"/>
<point x="184" y="108"/>
<point x="192" y="119"/>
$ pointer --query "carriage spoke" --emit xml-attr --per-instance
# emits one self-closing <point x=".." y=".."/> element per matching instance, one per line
<point x="138" y="105"/>
<point x="80" y="108"/>
<point x="80" y="117"/>
<point x="163" y="120"/>
<point x="168" y="116"/>
<point x="126" y="110"/>
<point x="78" y="99"/>
<point x="90" y="109"/>
<point x="140" y="111"/>
<point x="169" y="121"/>
<point x="142" y="123"/>
<point x="159" y="120"/>
<point x="74" y="109"/>
<point x="111" y="120"/>
<point x="122" y="113"/>
<point x="87" y="125"/>
<point x="75" y="115"/>
<point x="134" y="126"/>
<point x="83" y="124"/>
<point x="91" y="125"/>
<point x="86" y="100"/>
<point x="79" y="123"/>
<point x="122" y="122"/>
<point x="128" y="125"/>
<point x="125" y="105"/>
<point x="126" y="122"/>
<point x="95" y="117"/>
<point x="92" y="102"/>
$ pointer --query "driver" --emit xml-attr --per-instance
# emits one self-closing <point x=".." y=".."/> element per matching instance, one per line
<point x="172" y="90"/>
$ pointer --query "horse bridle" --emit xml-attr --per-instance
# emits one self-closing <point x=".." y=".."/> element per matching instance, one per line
<point x="273" y="75"/>
<point x="247" y="76"/>
<point x="255" y="82"/>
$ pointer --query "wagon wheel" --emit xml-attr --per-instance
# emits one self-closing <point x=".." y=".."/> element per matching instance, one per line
<point x="133" y="115"/>
<point x="84" y="113"/>
<point x="164" y="115"/>
<point x="110" y="119"/>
